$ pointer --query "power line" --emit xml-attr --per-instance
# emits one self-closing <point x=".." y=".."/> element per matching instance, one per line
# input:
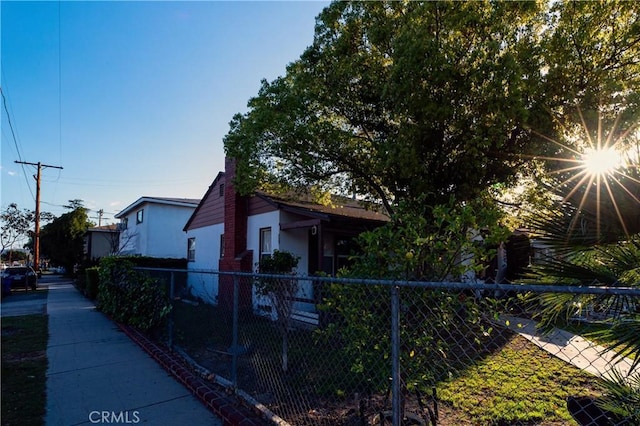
<point x="13" y="133"/>
<point x="15" y="140"/>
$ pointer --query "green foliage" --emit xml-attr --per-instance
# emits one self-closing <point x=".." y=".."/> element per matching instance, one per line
<point x="450" y="241"/>
<point x="129" y="296"/>
<point x="280" y="291"/>
<point x="156" y="262"/>
<point x="414" y="248"/>
<point x="398" y="100"/>
<point x="17" y="224"/>
<point x="62" y="240"/>
<point x="92" y="276"/>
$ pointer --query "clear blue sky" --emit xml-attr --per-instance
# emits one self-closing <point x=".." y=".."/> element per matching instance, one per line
<point x="133" y="98"/>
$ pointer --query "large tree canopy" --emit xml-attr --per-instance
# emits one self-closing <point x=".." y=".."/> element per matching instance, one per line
<point x="62" y="240"/>
<point x="425" y="100"/>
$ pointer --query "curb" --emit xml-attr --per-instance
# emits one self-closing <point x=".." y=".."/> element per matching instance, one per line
<point x="229" y="408"/>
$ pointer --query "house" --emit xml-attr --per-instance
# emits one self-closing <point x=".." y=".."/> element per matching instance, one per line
<point x="152" y="226"/>
<point x="101" y="241"/>
<point x="230" y="232"/>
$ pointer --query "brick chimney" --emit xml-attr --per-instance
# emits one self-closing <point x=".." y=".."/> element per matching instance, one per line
<point x="236" y="256"/>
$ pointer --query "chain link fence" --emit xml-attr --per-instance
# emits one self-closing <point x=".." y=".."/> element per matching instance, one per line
<point x="329" y="351"/>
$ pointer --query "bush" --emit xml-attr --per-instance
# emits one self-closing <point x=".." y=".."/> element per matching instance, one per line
<point x="129" y="296"/>
<point x="91" y="282"/>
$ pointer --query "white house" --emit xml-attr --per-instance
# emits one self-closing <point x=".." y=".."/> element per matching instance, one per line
<point x="152" y="226"/>
<point x="101" y="241"/>
<point x="230" y="232"/>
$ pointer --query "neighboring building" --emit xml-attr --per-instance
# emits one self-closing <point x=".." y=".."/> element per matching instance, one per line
<point x="101" y="241"/>
<point x="230" y="232"/>
<point x="152" y="226"/>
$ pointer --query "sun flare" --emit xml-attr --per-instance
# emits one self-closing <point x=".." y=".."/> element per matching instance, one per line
<point x="601" y="162"/>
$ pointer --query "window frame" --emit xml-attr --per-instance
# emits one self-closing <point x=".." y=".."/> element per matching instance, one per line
<point x="263" y="239"/>
<point x="191" y="249"/>
<point x="139" y="216"/>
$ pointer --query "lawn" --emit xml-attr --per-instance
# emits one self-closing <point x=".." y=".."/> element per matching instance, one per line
<point x="24" y="368"/>
<point x="518" y="383"/>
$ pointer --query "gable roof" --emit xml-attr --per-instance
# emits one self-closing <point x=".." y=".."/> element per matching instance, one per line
<point x="181" y="202"/>
<point x="340" y="207"/>
<point x="205" y="199"/>
<point x="296" y="202"/>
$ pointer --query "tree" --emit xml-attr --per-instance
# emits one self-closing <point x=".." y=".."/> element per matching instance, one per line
<point x="62" y="240"/>
<point x="17" y="224"/>
<point x="402" y="100"/>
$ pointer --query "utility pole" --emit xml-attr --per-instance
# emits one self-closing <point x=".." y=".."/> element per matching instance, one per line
<point x="36" y="238"/>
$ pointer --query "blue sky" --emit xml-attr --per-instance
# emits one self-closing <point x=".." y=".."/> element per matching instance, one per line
<point x="133" y="98"/>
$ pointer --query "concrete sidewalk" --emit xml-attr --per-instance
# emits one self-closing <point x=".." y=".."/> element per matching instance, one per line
<point x="571" y="348"/>
<point x="97" y="375"/>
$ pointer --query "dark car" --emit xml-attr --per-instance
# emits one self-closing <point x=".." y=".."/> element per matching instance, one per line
<point x="20" y="277"/>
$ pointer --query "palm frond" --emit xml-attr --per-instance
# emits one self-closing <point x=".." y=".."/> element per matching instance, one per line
<point x="624" y="336"/>
<point x="622" y="398"/>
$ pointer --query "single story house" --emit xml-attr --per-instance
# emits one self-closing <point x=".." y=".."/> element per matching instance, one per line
<point x="231" y="232"/>
<point x="152" y="226"/>
<point x="101" y="241"/>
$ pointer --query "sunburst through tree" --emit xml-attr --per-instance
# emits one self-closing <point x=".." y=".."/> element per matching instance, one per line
<point x="597" y="179"/>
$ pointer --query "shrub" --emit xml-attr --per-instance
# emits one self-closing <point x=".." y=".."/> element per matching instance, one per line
<point x="91" y="282"/>
<point x="129" y="296"/>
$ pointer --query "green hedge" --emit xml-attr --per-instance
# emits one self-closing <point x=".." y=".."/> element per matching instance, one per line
<point x="129" y="296"/>
<point x="91" y="282"/>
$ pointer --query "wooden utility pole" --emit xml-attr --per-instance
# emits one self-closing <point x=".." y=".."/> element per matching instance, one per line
<point x="36" y="237"/>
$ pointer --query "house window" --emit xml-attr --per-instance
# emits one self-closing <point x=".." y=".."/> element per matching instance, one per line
<point x="191" y="249"/>
<point x="265" y="242"/>
<point x="221" y="189"/>
<point x="140" y="216"/>
<point x="221" y="246"/>
<point x="124" y="223"/>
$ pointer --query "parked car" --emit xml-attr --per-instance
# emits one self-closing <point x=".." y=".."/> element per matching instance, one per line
<point x="20" y="277"/>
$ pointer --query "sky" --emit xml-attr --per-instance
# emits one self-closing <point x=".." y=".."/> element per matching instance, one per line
<point x="132" y="98"/>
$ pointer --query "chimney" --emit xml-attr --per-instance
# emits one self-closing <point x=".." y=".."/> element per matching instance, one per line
<point x="236" y="256"/>
<point x="235" y="214"/>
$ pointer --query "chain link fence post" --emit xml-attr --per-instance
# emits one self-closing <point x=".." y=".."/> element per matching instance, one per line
<point x="172" y="285"/>
<point x="235" y="349"/>
<point x="395" y="356"/>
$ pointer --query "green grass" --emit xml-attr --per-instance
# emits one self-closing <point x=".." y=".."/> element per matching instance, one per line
<point x="518" y="384"/>
<point x="24" y="368"/>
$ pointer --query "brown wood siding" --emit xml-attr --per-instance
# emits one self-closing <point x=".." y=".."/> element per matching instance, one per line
<point x="212" y="210"/>
<point x="258" y="205"/>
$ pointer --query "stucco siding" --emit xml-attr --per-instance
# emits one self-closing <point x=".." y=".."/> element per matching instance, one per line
<point x="165" y="237"/>
<point x="207" y="256"/>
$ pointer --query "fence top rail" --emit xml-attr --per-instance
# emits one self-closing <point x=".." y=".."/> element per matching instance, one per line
<point x="447" y="285"/>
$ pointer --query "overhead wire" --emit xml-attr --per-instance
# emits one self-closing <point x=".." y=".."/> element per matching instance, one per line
<point x="15" y="141"/>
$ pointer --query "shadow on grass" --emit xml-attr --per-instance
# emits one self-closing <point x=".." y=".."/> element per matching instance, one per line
<point x="480" y="371"/>
<point x="24" y="368"/>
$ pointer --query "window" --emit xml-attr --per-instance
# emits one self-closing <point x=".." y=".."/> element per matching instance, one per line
<point x="221" y="246"/>
<point x="191" y="249"/>
<point x="265" y="242"/>
<point x="140" y="216"/>
<point x="221" y="189"/>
